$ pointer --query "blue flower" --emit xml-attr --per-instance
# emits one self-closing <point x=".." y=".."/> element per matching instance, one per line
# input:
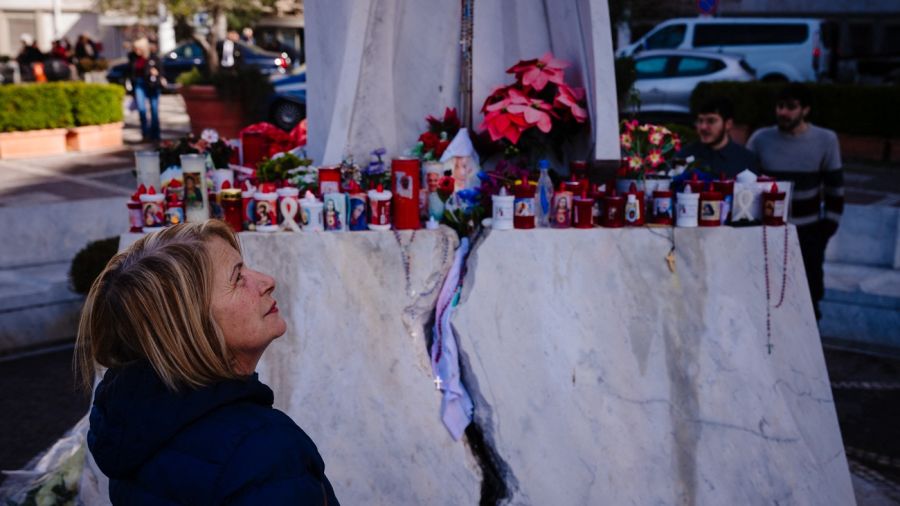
<point x="469" y="195"/>
<point x="379" y="152"/>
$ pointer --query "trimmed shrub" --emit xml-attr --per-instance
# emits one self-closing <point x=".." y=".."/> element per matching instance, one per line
<point x="849" y="109"/>
<point x="34" y="107"/>
<point x="96" y="104"/>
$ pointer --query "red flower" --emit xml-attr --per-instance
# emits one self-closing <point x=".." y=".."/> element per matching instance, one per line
<point x="569" y="99"/>
<point x="445" y="187"/>
<point x="533" y="110"/>
<point x="537" y="73"/>
<point x="429" y="140"/>
<point x="501" y="123"/>
<point x="441" y="147"/>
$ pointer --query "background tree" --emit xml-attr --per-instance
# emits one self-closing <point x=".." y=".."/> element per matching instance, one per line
<point x="218" y="14"/>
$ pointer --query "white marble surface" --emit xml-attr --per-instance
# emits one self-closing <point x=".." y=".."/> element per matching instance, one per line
<point x="353" y="368"/>
<point x="601" y="378"/>
<point x="867" y="235"/>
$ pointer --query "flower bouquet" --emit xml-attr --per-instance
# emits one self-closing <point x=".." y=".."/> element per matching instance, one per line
<point x="647" y="150"/>
<point x="537" y="113"/>
<point x="433" y="142"/>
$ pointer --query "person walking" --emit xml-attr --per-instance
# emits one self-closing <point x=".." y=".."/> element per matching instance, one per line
<point x="28" y="56"/>
<point x="715" y="149"/>
<point x="147" y="82"/>
<point x="180" y="322"/>
<point x="810" y="157"/>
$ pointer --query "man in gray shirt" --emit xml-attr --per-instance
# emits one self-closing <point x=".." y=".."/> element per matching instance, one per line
<point x="810" y="157"/>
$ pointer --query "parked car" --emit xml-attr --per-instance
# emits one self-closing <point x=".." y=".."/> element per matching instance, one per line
<point x="190" y="54"/>
<point x="666" y="79"/>
<point x="287" y="105"/>
<point x="780" y="49"/>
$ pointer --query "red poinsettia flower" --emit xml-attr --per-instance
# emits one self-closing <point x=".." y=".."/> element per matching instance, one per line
<point x="498" y="94"/>
<point x="568" y="99"/>
<point x="441" y="147"/>
<point x="501" y="123"/>
<point x="537" y="73"/>
<point x="449" y="124"/>
<point x="429" y="140"/>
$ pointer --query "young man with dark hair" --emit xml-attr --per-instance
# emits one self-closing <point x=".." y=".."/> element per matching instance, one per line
<point x="810" y="157"/>
<point x="715" y="149"/>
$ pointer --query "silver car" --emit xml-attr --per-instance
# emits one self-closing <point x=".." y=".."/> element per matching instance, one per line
<point x="666" y="78"/>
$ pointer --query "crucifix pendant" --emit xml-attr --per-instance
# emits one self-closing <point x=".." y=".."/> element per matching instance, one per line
<point x="770" y="346"/>
<point x="438" y="382"/>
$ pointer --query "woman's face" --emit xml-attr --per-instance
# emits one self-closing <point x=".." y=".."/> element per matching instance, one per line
<point x="243" y="306"/>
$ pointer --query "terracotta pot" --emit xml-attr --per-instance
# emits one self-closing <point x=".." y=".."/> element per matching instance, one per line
<point x="207" y="110"/>
<point x="32" y="143"/>
<point x="95" y="137"/>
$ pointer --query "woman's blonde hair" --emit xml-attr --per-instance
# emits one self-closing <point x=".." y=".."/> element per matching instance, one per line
<point x="152" y="302"/>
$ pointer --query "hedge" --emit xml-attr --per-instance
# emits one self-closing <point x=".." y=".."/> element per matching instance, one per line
<point x="38" y="106"/>
<point x="96" y="104"/>
<point x="844" y="108"/>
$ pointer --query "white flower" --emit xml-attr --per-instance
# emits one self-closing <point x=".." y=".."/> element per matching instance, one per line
<point x="209" y="135"/>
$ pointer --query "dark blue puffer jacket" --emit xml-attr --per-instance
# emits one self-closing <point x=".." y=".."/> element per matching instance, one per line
<point x="222" y="444"/>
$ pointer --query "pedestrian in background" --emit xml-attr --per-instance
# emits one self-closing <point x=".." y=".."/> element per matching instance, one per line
<point x="28" y="56"/>
<point x="810" y="157"/>
<point x="715" y="149"/>
<point x="180" y="417"/>
<point x="147" y="82"/>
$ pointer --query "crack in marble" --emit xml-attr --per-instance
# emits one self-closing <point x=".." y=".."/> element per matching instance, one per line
<point x="759" y="434"/>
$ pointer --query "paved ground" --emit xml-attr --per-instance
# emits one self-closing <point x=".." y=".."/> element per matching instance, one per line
<point x="40" y="401"/>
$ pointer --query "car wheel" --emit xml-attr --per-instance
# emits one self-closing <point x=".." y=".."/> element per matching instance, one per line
<point x="286" y="114"/>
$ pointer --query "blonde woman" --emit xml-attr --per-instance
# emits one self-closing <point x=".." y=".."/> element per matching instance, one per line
<point x="147" y="81"/>
<point x="180" y="416"/>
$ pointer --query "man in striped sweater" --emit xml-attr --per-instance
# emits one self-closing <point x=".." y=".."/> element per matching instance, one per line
<point x="810" y="157"/>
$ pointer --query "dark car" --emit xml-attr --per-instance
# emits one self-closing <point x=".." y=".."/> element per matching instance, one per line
<point x="189" y="55"/>
<point x="287" y="105"/>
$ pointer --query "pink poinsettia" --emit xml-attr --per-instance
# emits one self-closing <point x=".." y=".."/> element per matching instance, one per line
<point x="535" y="111"/>
<point x="537" y="73"/>
<point x="501" y="123"/>
<point x="568" y="99"/>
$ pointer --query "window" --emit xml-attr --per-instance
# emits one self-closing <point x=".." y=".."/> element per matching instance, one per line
<point x="666" y="38"/>
<point x="749" y="34"/>
<point x="698" y="66"/>
<point x="647" y="68"/>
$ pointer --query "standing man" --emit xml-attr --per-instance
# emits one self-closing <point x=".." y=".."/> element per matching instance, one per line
<point x="810" y="157"/>
<point x="715" y="149"/>
<point x="229" y="51"/>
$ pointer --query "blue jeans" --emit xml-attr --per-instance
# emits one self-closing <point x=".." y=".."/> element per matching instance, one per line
<point x="141" y="95"/>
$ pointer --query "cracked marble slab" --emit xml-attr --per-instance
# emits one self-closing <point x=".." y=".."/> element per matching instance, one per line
<point x="600" y="377"/>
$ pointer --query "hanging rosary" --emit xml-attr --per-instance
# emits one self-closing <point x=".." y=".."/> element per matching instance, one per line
<point x="405" y="257"/>
<point x="769" y="344"/>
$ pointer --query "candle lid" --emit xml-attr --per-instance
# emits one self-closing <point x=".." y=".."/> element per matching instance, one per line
<point x="746" y="176"/>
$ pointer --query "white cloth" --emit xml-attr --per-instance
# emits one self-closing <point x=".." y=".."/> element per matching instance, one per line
<point x="456" y="405"/>
<point x="228" y="53"/>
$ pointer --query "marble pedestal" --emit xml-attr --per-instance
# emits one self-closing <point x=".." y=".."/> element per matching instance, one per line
<point x="600" y="377"/>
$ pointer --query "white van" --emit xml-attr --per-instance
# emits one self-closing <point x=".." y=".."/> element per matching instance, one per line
<point x="778" y="48"/>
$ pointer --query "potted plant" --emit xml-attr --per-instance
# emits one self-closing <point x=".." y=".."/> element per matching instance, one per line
<point x="647" y="154"/>
<point x="224" y="101"/>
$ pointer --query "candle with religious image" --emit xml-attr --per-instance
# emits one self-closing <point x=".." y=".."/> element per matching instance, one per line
<point x="379" y="208"/>
<point x="773" y="206"/>
<point x="135" y="210"/>
<point x="502" y="206"/>
<point x="329" y="179"/>
<point x="288" y="193"/>
<point x="247" y="210"/>
<point x="710" y="209"/>
<point x="311" y="213"/>
<point x="634" y="207"/>
<point x="561" y="210"/>
<point x="232" y="206"/>
<point x="405" y="174"/>
<point x="431" y="174"/>
<point x="613" y="209"/>
<point x="265" y="208"/>
<point x="196" y="199"/>
<point x="152" y="211"/>
<point x="662" y="207"/>
<point x="358" y="208"/>
<point x="335" y="212"/>
<point x="687" y="207"/>
<point x="583" y="210"/>
<point x="523" y="204"/>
